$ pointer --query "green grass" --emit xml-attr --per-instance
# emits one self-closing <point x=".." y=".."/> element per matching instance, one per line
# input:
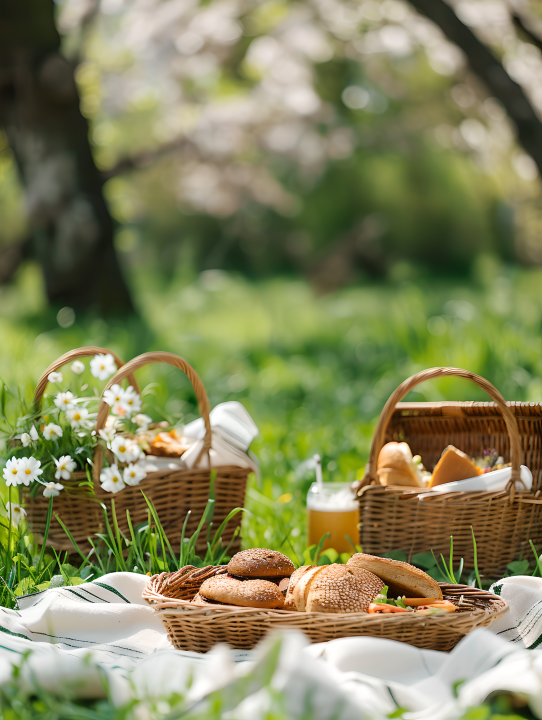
<point x="314" y="372"/>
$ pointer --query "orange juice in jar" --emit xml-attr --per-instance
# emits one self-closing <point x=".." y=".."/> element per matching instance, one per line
<point x="332" y="508"/>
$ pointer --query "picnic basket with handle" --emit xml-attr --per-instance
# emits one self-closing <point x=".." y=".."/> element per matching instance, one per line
<point x="198" y="629"/>
<point x="173" y="492"/>
<point x="417" y="520"/>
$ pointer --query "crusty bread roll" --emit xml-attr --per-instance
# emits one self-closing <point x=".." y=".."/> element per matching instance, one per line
<point x="301" y="589"/>
<point x="453" y="465"/>
<point x="247" y="593"/>
<point x="336" y="589"/>
<point x="395" y="466"/>
<point x="260" y="563"/>
<point x="289" y="603"/>
<point x="401" y="578"/>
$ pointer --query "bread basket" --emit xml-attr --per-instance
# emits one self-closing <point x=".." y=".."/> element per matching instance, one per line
<point x="172" y="491"/>
<point x="198" y="629"/>
<point x="395" y="518"/>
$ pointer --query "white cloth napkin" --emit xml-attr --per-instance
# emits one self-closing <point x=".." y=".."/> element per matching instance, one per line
<point x="493" y="481"/>
<point x="233" y="430"/>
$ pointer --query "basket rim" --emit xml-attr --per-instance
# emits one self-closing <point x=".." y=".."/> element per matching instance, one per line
<point x="172" y="606"/>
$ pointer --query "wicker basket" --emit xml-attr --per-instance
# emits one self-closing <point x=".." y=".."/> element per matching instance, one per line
<point x="395" y="518"/>
<point x="173" y="492"/>
<point x="198" y="629"/>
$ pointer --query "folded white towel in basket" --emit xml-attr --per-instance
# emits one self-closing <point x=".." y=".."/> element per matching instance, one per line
<point x="233" y="430"/>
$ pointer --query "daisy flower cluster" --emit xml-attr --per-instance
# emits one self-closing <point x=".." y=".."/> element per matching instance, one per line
<point x="61" y="440"/>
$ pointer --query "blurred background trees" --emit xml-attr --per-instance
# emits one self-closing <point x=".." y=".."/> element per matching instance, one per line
<point x="334" y="139"/>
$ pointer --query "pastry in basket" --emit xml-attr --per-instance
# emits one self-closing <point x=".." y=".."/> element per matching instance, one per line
<point x="262" y="564"/>
<point x="415" y="590"/>
<point x="396" y="466"/>
<point x="168" y="444"/>
<point x="227" y="590"/>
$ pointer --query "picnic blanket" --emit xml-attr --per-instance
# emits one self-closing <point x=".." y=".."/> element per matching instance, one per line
<point x="101" y="635"/>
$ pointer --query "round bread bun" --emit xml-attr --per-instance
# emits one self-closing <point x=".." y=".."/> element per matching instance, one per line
<point x="336" y="589"/>
<point x="289" y="603"/>
<point x="402" y="579"/>
<point x="247" y="593"/>
<point x="395" y="466"/>
<point x="260" y="563"/>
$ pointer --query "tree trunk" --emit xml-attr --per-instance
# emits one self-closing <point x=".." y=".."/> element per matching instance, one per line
<point x="491" y="72"/>
<point x="72" y="230"/>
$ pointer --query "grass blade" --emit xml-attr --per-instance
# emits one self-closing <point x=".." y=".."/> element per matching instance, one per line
<point x="46" y="534"/>
<point x="538" y="563"/>
<point x="475" y="551"/>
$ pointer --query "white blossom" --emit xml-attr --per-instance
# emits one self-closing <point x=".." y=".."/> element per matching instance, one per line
<point x="64" y="467"/>
<point x="65" y="400"/>
<point x="143" y="421"/>
<point x="133" y="474"/>
<point x="52" y="489"/>
<point x="103" y="366"/>
<point x="78" y="417"/>
<point x="55" y="377"/>
<point x="77" y="367"/>
<point x="131" y="401"/>
<point x="111" y="479"/>
<point x="12" y="472"/>
<point x="125" y="450"/>
<point x="34" y="433"/>
<point x="26" y="439"/>
<point x="114" y="395"/>
<point x="29" y="470"/>
<point x="52" y="431"/>
<point x="15" y="513"/>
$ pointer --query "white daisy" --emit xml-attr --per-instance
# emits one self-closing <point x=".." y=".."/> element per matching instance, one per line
<point x="29" y="470"/>
<point x="55" y="377"/>
<point x="133" y="474"/>
<point x="78" y="417"/>
<point x="125" y="450"/>
<point x="64" y="467"/>
<point x="131" y="401"/>
<point x="15" y="512"/>
<point x="11" y="472"/>
<point x="26" y="439"/>
<point x="52" y="432"/>
<point x="77" y="367"/>
<point x="114" y="395"/>
<point x="143" y="421"/>
<point x="111" y="479"/>
<point x="65" y="400"/>
<point x="52" y="489"/>
<point x="34" y="434"/>
<point x="103" y="366"/>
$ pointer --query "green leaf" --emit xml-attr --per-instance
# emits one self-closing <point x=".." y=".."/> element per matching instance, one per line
<point x="396" y="555"/>
<point x="518" y="567"/>
<point x="424" y="560"/>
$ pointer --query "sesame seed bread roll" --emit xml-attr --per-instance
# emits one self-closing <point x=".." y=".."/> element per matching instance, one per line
<point x="336" y="589"/>
<point x="247" y="593"/>
<point x="401" y="578"/>
<point x="260" y="563"/>
<point x="289" y="603"/>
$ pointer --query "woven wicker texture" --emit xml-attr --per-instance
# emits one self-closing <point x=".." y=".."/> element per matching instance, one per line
<point x="173" y="492"/>
<point x="396" y="519"/>
<point x="198" y="629"/>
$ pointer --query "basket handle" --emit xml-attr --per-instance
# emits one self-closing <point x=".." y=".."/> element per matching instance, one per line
<point x="70" y="357"/>
<point x="139" y="362"/>
<point x="405" y="387"/>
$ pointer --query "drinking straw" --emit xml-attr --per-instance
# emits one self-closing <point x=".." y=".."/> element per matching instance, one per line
<point x="318" y="469"/>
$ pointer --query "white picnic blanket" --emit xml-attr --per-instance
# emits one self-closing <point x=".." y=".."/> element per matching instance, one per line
<point x="101" y="634"/>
